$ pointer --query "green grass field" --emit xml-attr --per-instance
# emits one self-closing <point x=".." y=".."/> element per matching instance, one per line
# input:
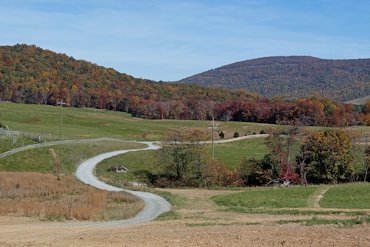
<point x="41" y="160"/>
<point x="258" y="200"/>
<point x="139" y="165"/>
<point x="292" y="197"/>
<point x="6" y="143"/>
<point x="142" y="163"/>
<point x="232" y="153"/>
<point x="355" y="195"/>
<point x="88" y="123"/>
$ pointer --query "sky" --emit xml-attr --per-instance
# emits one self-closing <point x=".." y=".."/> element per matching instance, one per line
<point x="172" y="39"/>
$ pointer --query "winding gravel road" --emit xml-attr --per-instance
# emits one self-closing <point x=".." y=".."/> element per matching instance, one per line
<point x="154" y="204"/>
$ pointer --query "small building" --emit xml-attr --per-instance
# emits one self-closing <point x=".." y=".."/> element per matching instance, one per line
<point x="118" y="168"/>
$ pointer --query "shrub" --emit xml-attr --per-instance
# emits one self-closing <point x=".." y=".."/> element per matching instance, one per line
<point x="221" y="135"/>
<point x="236" y="134"/>
<point x="253" y="172"/>
<point x="216" y="174"/>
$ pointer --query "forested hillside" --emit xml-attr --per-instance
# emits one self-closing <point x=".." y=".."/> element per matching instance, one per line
<point x="29" y="74"/>
<point x="292" y="77"/>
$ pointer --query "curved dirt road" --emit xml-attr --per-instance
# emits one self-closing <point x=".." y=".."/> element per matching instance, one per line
<point x="154" y="205"/>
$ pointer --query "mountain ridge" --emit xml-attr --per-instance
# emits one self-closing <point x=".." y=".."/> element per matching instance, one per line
<point x="292" y="77"/>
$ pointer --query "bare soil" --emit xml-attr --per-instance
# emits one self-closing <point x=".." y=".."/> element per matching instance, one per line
<point x="199" y="223"/>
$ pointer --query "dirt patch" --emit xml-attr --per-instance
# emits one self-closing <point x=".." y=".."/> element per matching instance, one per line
<point x="199" y="193"/>
<point x="200" y="222"/>
<point x="321" y="193"/>
<point x="32" y="120"/>
<point x="177" y="234"/>
<point x="104" y="124"/>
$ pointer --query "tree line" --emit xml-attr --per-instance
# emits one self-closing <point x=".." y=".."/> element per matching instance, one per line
<point x="29" y="74"/>
<point x="318" y="157"/>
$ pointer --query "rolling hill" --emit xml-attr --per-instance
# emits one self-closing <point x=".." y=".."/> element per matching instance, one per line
<point x="292" y="77"/>
<point x="32" y="75"/>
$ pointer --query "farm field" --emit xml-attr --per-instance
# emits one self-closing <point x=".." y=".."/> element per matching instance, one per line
<point x="78" y="123"/>
<point x="235" y="216"/>
<point x="198" y="221"/>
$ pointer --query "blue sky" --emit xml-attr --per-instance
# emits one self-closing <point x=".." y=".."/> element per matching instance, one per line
<point x="172" y="39"/>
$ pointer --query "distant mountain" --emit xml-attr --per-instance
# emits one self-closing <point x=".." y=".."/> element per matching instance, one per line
<point x="292" y="77"/>
<point x="29" y="74"/>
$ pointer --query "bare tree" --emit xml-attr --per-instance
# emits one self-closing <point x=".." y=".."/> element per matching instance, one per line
<point x="183" y="155"/>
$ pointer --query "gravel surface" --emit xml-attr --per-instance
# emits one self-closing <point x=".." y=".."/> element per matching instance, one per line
<point x="154" y="204"/>
<point x="53" y="143"/>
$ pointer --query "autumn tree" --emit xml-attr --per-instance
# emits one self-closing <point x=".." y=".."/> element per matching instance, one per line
<point x="281" y="152"/>
<point x="328" y="156"/>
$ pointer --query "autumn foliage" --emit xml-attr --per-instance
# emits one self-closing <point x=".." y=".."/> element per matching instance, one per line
<point x="29" y="74"/>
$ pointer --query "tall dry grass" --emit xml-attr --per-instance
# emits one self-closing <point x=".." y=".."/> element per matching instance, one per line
<point x="47" y="197"/>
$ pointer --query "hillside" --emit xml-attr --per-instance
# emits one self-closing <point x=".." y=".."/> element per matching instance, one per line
<point x="32" y="75"/>
<point x="29" y="74"/>
<point x="292" y="77"/>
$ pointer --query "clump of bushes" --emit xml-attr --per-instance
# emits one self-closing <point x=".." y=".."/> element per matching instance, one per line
<point x="221" y="135"/>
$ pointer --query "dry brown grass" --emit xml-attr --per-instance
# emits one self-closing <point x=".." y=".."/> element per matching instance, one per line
<point x="47" y="197"/>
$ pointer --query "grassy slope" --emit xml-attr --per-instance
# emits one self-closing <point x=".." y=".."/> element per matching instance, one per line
<point x="144" y="162"/>
<point x="86" y="123"/>
<point x="6" y="143"/>
<point x="356" y="195"/>
<point x="232" y="153"/>
<point x="139" y="164"/>
<point x="292" y="197"/>
<point x="350" y="196"/>
<point x="40" y="160"/>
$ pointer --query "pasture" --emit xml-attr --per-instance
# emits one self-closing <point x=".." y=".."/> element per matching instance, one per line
<point x="90" y="123"/>
<point x="80" y="123"/>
